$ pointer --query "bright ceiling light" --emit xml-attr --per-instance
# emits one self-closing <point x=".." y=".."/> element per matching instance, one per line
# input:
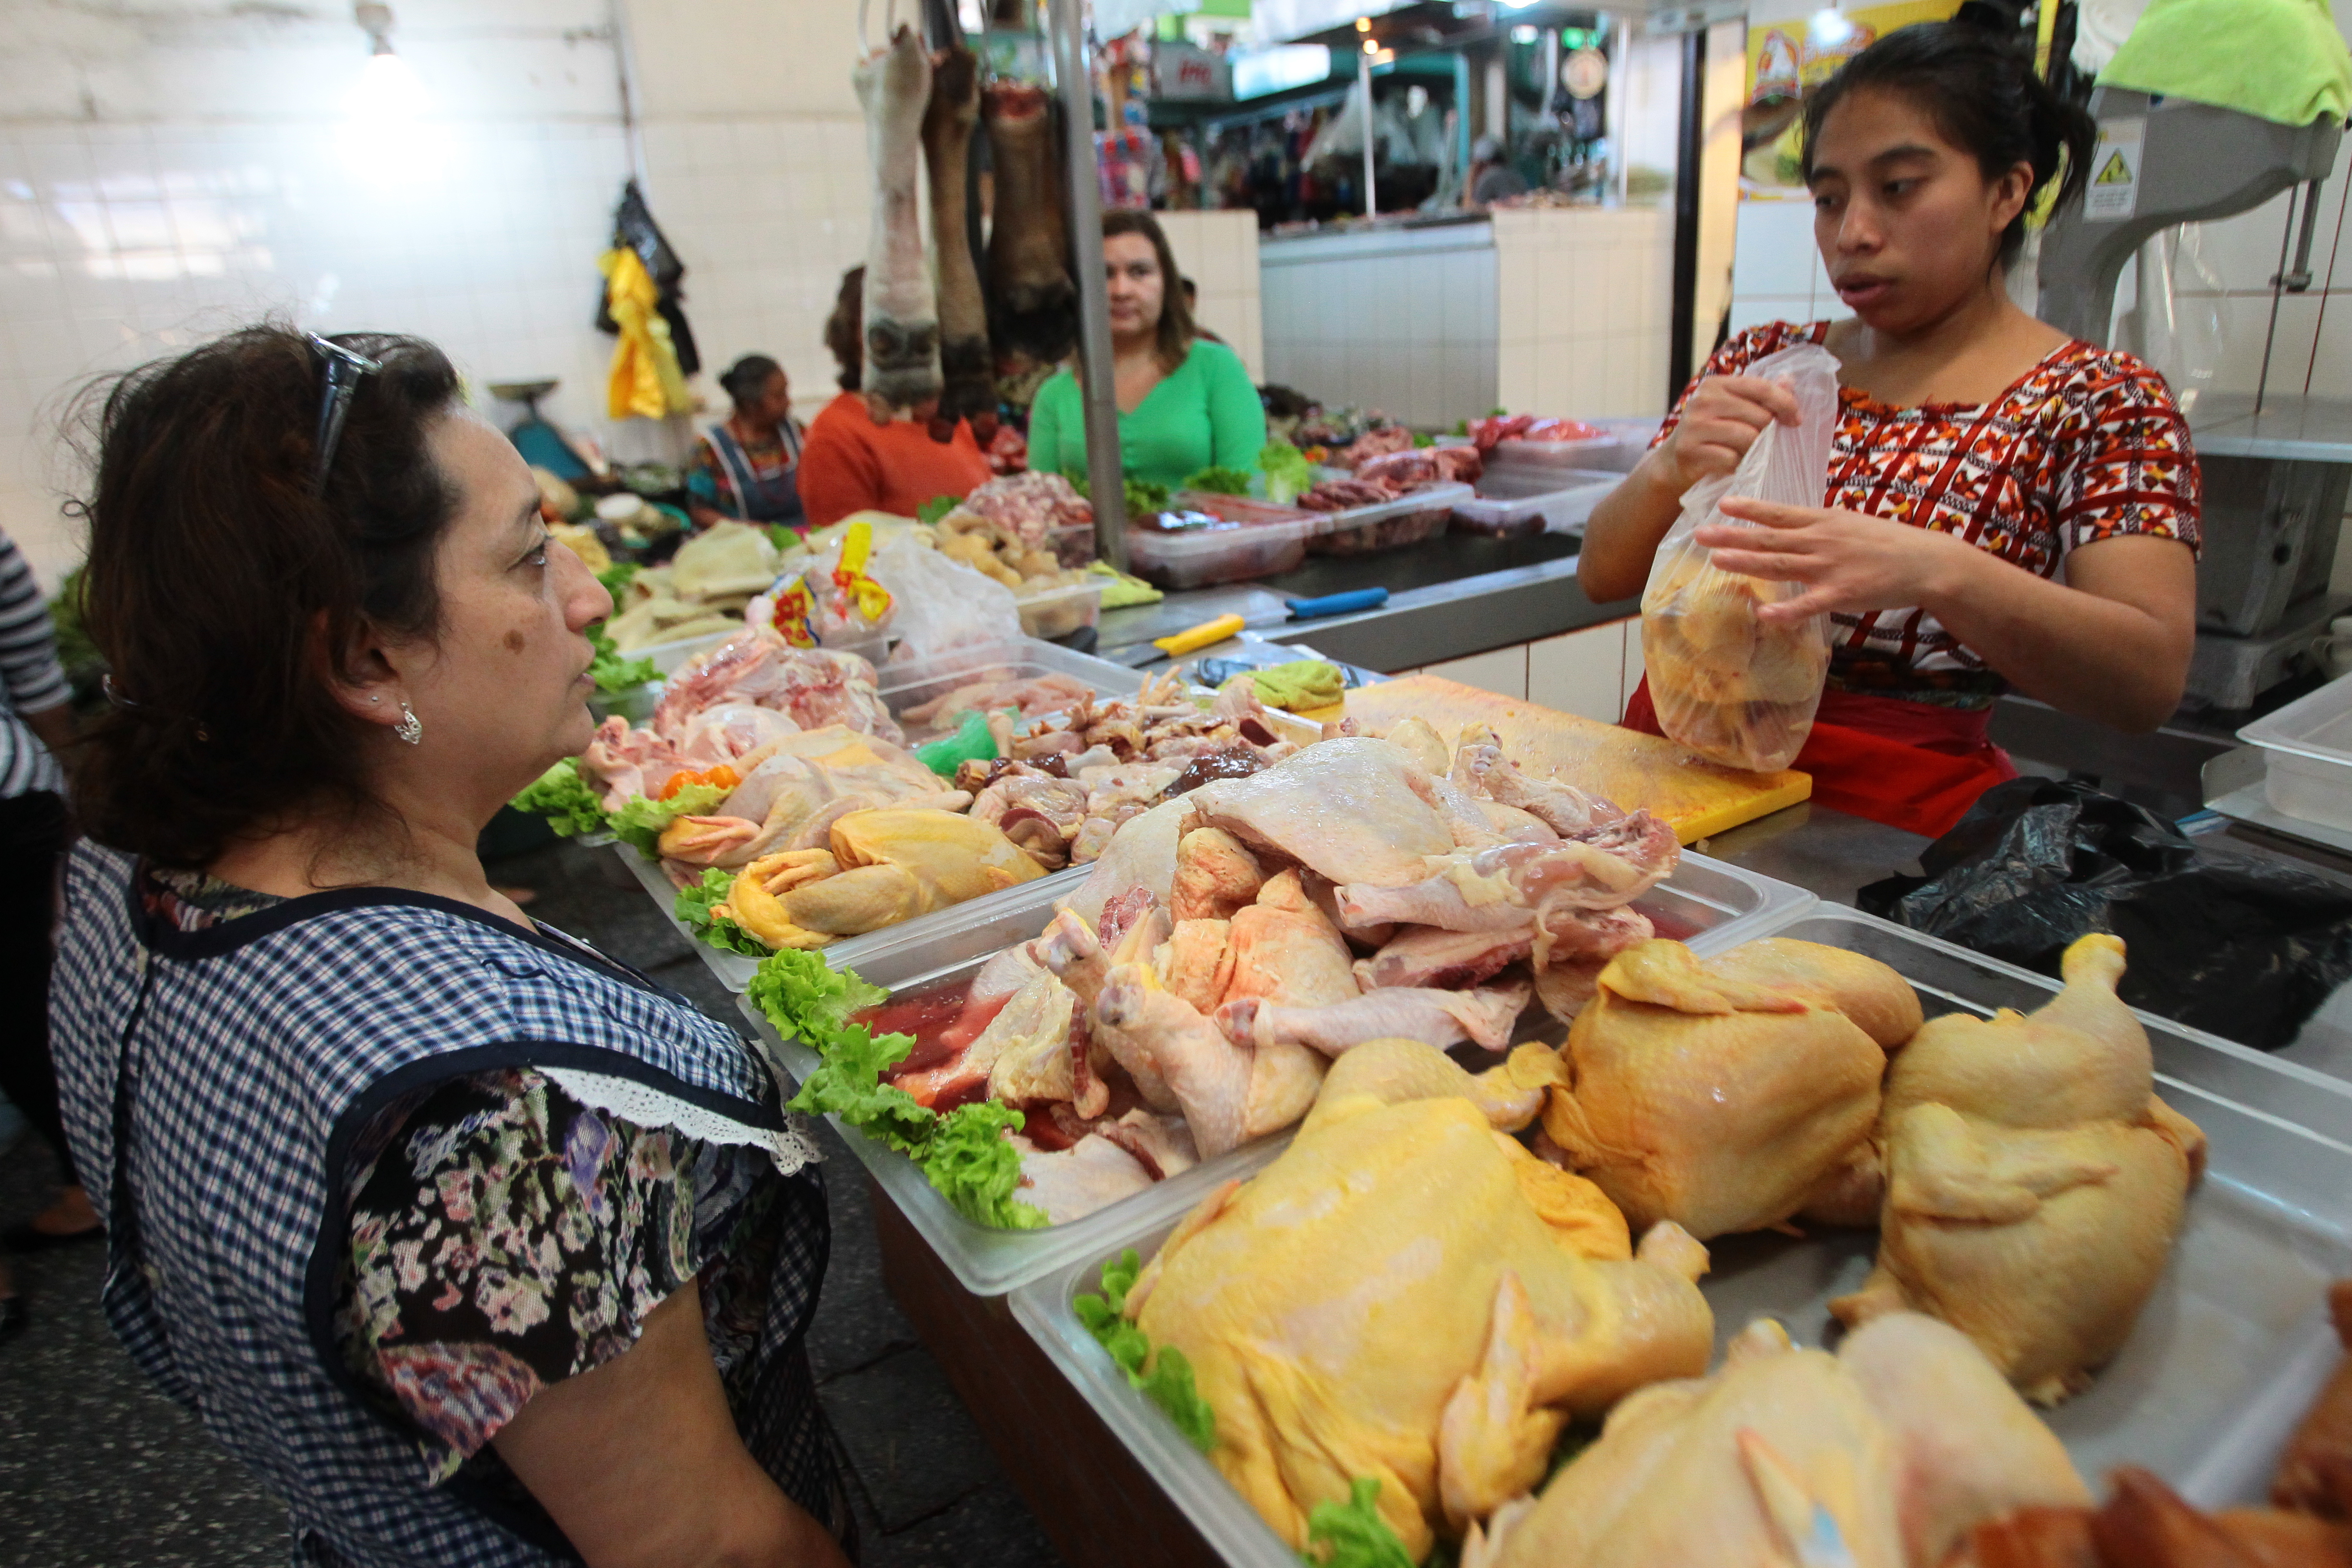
<point x="1827" y="30"/>
<point x="387" y="135"/>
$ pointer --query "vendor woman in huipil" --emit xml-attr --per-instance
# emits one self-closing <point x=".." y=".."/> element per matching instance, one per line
<point x="746" y="466"/>
<point x="2007" y="507"/>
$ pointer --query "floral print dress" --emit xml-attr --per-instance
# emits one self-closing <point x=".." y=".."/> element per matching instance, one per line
<point x="504" y="1236"/>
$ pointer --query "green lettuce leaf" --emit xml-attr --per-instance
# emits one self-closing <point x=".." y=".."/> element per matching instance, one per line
<point x="849" y="1085"/>
<point x="1213" y="480"/>
<point x="694" y="904"/>
<point x="1288" y="475"/>
<point x="977" y="1169"/>
<point x="563" y="797"/>
<point x="1353" y="1534"/>
<point x="935" y="508"/>
<point x="1165" y="1378"/>
<point x="805" y="997"/>
<point x="640" y="821"/>
<point x="610" y="672"/>
<point x="617" y="577"/>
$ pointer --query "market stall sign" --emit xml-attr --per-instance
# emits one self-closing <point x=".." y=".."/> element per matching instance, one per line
<point x="1187" y="72"/>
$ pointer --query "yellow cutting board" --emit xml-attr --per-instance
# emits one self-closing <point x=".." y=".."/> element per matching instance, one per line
<point x="1695" y="797"/>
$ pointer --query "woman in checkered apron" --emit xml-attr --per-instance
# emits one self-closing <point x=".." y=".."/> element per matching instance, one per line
<point x="476" y="1244"/>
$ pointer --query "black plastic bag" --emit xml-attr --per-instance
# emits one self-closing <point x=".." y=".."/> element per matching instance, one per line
<point x="2220" y="941"/>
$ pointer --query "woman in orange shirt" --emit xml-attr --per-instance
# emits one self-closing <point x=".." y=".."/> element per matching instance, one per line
<point x="851" y="464"/>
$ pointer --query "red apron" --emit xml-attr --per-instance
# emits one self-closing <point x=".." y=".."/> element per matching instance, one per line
<point x="1907" y="764"/>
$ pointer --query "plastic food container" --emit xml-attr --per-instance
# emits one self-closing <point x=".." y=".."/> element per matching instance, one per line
<point x="1391" y="525"/>
<point x="1264" y="539"/>
<point x="2226" y="1355"/>
<point x="1707" y="903"/>
<point x="904" y="686"/>
<point x="1058" y="612"/>
<point x="2307" y="753"/>
<point x="1508" y="510"/>
<point x="1550" y="454"/>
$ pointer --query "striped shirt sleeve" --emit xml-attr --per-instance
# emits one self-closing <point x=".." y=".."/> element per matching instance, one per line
<point x="31" y="680"/>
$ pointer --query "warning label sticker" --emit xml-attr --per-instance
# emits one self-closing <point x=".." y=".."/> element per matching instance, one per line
<point x="2114" y="193"/>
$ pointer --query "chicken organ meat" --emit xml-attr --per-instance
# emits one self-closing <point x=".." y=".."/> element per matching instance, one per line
<point x="1406" y="1296"/>
<point x="1883" y="1456"/>
<point x="2034" y="1182"/>
<point x="1715" y="1102"/>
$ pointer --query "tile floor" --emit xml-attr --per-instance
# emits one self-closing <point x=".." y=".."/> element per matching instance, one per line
<point x="98" y="1469"/>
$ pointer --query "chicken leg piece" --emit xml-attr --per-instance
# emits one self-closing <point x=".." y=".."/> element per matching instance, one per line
<point x="968" y="380"/>
<point x="1285" y="951"/>
<point x="1485" y="1017"/>
<point x="2033" y="1181"/>
<point x="902" y="327"/>
<point x="1229" y="1093"/>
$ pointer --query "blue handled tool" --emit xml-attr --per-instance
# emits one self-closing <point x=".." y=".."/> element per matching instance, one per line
<point x="1337" y="604"/>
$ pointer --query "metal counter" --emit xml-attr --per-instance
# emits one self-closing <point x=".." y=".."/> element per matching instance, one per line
<point x="1455" y="596"/>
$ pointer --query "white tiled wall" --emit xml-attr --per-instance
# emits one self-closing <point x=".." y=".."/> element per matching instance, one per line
<point x="1403" y="323"/>
<point x="166" y="175"/>
<point x="1589" y="673"/>
<point x="1776" y="269"/>
<point x="1584" y="296"/>
<point x="164" y="178"/>
<point x="1218" y="251"/>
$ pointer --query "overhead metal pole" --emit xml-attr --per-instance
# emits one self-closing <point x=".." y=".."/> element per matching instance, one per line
<point x="1105" y="474"/>
<point x="1690" y="147"/>
<point x="1364" y="85"/>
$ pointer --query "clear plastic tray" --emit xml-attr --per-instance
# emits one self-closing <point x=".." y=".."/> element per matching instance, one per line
<point x="1713" y="904"/>
<point x="903" y="687"/>
<point x="1268" y="539"/>
<point x="1551" y="453"/>
<point x="2308" y="751"/>
<point x="2224" y="1359"/>
<point x="1505" y="512"/>
<point x="1391" y="525"/>
<point x="1058" y="612"/>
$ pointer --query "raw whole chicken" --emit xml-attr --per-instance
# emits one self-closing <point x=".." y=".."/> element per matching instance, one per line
<point x="2034" y="1182"/>
<point x="1407" y="1296"/>
<point x="813" y="687"/>
<point x="878" y="868"/>
<point x="968" y="371"/>
<point x="1883" y="1456"/>
<point x="1032" y="306"/>
<point x="901" y="311"/>
<point x="1722" y="1095"/>
<point x="792" y="793"/>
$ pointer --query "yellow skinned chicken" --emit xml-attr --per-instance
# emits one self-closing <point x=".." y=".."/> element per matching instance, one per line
<point x="1408" y="1295"/>
<point x="1729" y="1094"/>
<point x="1883" y="1456"/>
<point x="881" y="866"/>
<point x="2034" y="1182"/>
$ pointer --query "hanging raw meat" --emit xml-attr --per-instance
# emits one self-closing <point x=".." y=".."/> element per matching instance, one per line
<point x="902" y="327"/>
<point x="968" y="380"/>
<point x="1032" y="305"/>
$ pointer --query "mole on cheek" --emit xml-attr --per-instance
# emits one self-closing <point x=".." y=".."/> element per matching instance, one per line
<point x="514" y="642"/>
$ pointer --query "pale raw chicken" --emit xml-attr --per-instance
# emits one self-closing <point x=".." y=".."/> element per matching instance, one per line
<point x="1229" y="1092"/>
<point x="1215" y="876"/>
<point x="1720" y="1102"/>
<point x="728" y="731"/>
<point x="1484" y="1017"/>
<point x="880" y="867"/>
<point x="793" y="790"/>
<point x="1285" y="951"/>
<point x="1407" y="1295"/>
<point x="1071" y="1183"/>
<point x="1197" y="961"/>
<point x="1347" y="808"/>
<point x="1142" y="855"/>
<point x="2034" y="1182"/>
<point x="1022" y="1055"/>
<point x="1500" y="886"/>
<point x="1430" y="955"/>
<point x="814" y="687"/>
<point x="1883" y="1455"/>
<point x="622" y="763"/>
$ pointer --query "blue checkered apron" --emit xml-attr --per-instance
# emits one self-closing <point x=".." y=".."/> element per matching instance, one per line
<point x="217" y="1081"/>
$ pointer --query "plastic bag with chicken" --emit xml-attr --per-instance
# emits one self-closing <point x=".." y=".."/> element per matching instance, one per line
<point x="1735" y="689"/>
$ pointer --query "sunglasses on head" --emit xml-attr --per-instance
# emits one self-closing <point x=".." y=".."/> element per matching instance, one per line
<point x="344" y="368"/>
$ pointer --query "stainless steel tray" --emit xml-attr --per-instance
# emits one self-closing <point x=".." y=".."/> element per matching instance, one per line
<point x="1718" y="905"/>
<point x="2225" y="1357"/>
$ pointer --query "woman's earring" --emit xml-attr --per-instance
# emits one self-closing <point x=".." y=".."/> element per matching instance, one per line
<point x="411" y="728"/>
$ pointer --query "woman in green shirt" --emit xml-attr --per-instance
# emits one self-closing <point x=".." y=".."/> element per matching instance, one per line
<point x="1184" y="403"/>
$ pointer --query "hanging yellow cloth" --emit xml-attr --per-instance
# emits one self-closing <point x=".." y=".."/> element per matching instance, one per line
<point x="646" y="379"/>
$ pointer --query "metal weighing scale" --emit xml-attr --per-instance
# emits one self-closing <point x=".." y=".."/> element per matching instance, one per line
<point x="2277" y="468"/>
